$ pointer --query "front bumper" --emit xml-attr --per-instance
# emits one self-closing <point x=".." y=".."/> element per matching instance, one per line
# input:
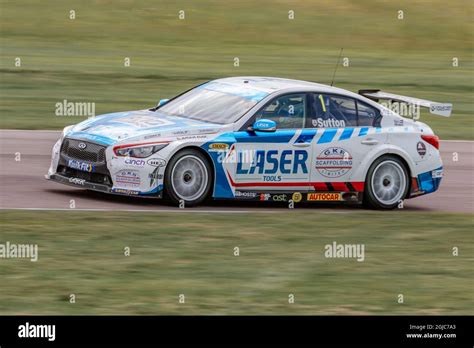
<point x="81" y="183"/>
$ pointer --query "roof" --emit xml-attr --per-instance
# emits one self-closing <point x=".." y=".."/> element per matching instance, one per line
<point x="274" y="84"/>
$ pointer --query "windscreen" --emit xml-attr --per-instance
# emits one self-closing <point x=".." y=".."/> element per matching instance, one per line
<point x="215" y="102"/>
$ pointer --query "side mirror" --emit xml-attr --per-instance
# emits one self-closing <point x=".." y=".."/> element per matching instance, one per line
<point x="162" y="102"/>
<point x="264" y="125"/>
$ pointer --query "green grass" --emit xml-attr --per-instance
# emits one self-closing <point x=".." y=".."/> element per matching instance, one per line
<point x="82" y="59"/>
<point x="82" y="253"/>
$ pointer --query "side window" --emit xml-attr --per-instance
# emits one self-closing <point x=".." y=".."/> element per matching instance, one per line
<point x="332" y="111"/>
<point x="368" y="116"/>
<point x="288" y="111"/>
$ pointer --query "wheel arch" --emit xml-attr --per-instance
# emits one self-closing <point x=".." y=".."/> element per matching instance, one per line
<point x="402" y="159"/>
<point x="371" y="157"/>
<point x="200" y="150"/>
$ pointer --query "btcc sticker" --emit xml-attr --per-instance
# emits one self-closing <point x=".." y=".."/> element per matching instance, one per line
<point x="421" y="149"/>
<point x="83" y="166"/>
<point x="324" y="197"/>
<point x="334" y="162"/>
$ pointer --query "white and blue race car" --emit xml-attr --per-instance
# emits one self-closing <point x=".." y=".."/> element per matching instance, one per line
<point x="257" y="138"/>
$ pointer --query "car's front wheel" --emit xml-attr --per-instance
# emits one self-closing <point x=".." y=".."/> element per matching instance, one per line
<point x="188" y="178"/>
<point x="386" y="184"/>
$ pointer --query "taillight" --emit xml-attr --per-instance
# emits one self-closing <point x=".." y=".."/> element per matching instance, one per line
<point x="431" y="139"/>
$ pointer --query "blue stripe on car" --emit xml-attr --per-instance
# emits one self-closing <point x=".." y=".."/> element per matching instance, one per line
<point x="346" y="134"/>
<point x="327" y="136"/>
<point x="306" y="136"/>
<point x="222" y="188"/>
<point x="363" y="131"/>
<point x="92" y="137"/>
<point x="280" y="136"/>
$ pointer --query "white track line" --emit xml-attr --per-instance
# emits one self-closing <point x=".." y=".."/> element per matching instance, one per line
<point x="186" y="210"/>
<point x="31" y="130"/>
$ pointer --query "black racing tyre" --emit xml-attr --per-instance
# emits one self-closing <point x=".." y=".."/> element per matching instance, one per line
<point x="188" y="178"/>
<point x="387" y="183"/>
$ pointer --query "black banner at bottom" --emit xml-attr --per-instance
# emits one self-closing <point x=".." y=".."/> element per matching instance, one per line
<point x="142" y="330"/>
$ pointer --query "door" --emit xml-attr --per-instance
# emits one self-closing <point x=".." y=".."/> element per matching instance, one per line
<point x="348" y="130"/>
<point x="279" y="160"/>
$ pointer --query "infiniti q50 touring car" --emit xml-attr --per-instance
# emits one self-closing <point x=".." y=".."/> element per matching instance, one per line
<point x="257" y="138"/>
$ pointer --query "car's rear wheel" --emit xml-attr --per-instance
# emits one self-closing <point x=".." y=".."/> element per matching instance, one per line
<point x="188" y="178"/>
<point x="386" y="184"/>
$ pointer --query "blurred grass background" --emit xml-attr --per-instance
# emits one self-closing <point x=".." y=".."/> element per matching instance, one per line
<point x="83" y="59"/>
<point x="405" y="253"/>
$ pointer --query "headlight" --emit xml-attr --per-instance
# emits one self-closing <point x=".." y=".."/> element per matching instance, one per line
<point x="138" y="151"/>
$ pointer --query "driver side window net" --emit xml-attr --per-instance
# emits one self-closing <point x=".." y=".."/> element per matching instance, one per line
<point x="288" y="111"/>
<point x="333" y="111"/>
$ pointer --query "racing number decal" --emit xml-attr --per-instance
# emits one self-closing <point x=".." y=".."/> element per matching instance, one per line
<point x="322" y="102"/>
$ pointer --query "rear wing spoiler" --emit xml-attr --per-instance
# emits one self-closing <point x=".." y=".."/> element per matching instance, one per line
<point x="441" y="109"/>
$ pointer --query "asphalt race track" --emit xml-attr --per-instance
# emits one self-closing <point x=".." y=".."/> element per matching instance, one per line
<point x="23" y="185"/>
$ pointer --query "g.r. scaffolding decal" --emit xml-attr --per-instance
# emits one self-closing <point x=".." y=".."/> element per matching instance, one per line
<point x="334" y="162"/>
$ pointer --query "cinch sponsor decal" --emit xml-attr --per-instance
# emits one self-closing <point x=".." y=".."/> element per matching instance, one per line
<point x="83" y="166"/>
<point x="334" y="162"/>
<point x="324" y="197"/>
<point x="273" y="161"/>
<point x="134" y="162"/>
